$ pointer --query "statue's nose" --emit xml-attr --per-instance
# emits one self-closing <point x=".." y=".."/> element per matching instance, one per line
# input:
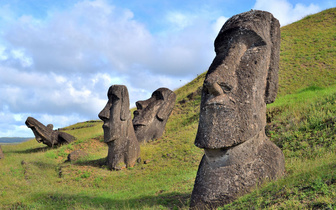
<point x="143" y="104"/>
<point x="213" y="87"/>
<point x="105" y="113"/>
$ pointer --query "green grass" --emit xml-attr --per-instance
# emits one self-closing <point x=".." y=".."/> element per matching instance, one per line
<point x="308" y="52"/>
<point x="302" y="124"/>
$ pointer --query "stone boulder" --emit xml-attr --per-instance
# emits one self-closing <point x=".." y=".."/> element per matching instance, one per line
<point x="76" y="155"/>
<point x="46" y="134"/>
<point x="152" y="114"/>
<point x="241" y="80"/>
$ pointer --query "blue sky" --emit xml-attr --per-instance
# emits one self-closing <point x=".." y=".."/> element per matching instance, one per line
<point x="58" y="58"/>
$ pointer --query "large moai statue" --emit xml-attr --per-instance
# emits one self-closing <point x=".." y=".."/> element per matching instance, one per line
<point x="241" y="80"/>
<point x="46" y="134"/>
<point x="152" y="114"/>
<point x="123" y="146"/>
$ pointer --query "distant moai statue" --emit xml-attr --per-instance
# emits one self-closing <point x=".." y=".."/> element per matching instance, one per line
<point x="1" y="154"/>
<point x="241" y="80"/>
<point x="152" y="114"/>
<point x="123" y="146"/>
<point x="46" y="134"/>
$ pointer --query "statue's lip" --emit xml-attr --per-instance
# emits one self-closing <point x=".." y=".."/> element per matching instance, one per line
<point x="221" y="100"/>
<point x="139" y="124"/>
<point x="223" y="107"/>
<point x="138" y="121"/>
<point x="214" y="103"/>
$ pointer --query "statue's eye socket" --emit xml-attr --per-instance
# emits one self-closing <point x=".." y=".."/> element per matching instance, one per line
<point x="158" y="95"/>
<point x="115" y="98"/>
<point x="138" y="105"/>
<point x="225" y="87"/>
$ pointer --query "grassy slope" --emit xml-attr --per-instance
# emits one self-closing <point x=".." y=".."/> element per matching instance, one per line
<point x="302" y="124"/>
<point x="308" y="52"/>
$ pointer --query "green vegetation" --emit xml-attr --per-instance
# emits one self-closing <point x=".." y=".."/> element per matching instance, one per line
<point x="302" y="124"/>
<point x="308" y="52"/>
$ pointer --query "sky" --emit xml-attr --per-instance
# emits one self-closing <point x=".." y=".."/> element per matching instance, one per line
<point x="58" y="58"/>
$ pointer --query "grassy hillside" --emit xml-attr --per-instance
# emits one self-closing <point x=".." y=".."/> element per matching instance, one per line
<point x="308" y="52"/>
<point x="302" y="124"/>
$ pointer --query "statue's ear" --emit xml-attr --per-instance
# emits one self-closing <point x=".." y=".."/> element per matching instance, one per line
<point x="167" y="107"/>
<point x="124" y="109"/>
<point x="50" y="126"/>
<point x="272" y="76"/>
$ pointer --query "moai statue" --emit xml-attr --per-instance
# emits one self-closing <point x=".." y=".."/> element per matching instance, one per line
<point x="241" y="80"/>
<point x="1" y="154"/>
<point x="123" y="146"/>
<point x="46" y="134"/>
<point x="151" y="115"/>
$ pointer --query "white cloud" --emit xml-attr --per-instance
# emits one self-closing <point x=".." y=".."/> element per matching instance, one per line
<point x="284" y="11"/>
<point x="24" y="60"/>
<point x="179" y="21"/>
<point x="3" y="55"/>
<point x="58" y="69"/>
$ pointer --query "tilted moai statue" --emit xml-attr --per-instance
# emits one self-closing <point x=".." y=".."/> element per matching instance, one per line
<point x="123" y="146"/>
<point x="46" y="134"/>
<point x="241" y="80"/>
<point x="151" y="115"/>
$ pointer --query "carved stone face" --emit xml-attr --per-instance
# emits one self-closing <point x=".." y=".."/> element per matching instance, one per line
<point x="46" y="134"/>
<point x="151" y="115"/>
<point x="234" y="94"/>
<point x="115" y="113"/>
<point x="41" y="132"/>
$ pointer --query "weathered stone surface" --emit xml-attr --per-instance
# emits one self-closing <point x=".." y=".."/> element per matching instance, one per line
<point x="123" y="146"/>
<point x="151" y="115"/>
<point x="76" y="155"/>
<point x="2" y="156"/>
<point x="241" y="80"/>
<point x="46" y="134"/>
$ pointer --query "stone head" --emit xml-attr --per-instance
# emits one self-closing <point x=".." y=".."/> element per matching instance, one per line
<point x="116" y="113"/>
<point x="41" y="132"/>
<point x="151" y="115"/>
<point x="46" y="134"/>
<point x="241" y="80"/>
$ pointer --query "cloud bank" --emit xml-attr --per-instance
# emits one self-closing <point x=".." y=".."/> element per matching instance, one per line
<point x="58" y="69"/>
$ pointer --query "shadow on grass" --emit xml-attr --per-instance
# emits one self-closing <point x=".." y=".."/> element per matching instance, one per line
<point x="94" y="163"/>
<point x="167" y="200"/>
<point x="43" y="166"/>
<point x="34" y="150"/>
